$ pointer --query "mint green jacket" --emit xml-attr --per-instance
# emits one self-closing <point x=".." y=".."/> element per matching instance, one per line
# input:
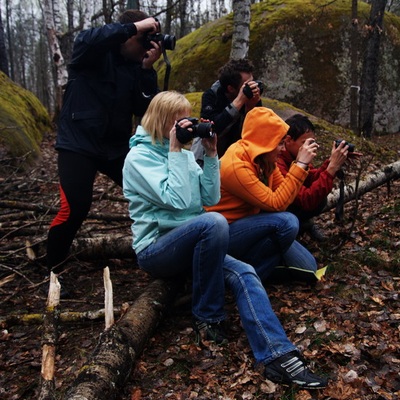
<point x="165" y="189"/>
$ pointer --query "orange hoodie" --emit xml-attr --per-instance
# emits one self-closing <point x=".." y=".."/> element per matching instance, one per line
<point x="242" y="191"/>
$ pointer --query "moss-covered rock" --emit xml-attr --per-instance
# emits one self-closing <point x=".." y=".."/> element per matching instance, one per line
<point x="23" y="121"/>
<point x="301" y="50"/>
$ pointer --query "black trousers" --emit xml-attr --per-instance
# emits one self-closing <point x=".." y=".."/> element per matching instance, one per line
<point x="77" y="174"/>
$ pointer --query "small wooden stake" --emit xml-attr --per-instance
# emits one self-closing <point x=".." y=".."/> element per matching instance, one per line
<point x="108" y="299"/>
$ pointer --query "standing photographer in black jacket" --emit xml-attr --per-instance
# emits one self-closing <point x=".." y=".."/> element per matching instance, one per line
<point x="111" y="79"/>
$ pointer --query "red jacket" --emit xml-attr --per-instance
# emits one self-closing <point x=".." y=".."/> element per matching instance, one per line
<point x="316" y="187"/>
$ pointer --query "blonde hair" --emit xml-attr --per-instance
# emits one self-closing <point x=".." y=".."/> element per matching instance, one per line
<point x="162" y="113"/>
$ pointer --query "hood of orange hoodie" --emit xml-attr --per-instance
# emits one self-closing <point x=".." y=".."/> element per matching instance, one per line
<point x="262" y="131"/>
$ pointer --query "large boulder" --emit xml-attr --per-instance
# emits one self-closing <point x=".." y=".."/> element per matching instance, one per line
<point x="23" y="121"/>
<point x="301" y="51"/>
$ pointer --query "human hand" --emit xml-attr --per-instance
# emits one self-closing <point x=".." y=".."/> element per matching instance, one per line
<point x="148" y="25"/>
<point x="338" y="157"/>
<point x="307" y="152"/>
<point x="152" y="55"/>
<point x="209" y="144"/>
<point x="175" y="146"/>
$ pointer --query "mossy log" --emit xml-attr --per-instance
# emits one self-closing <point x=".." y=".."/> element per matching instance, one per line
<point x="113" y="359"/>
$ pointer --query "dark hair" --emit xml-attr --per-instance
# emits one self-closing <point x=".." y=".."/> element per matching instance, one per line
<point x="298" y="125"/>
<point x="130" y="16"/>
<point x="229" y="74"/>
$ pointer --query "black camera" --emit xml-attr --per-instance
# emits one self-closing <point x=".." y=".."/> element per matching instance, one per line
<point x="249" y="93"/>
<point x="351" y="146"/>
<point x="197" y="129"/>
<point x="167" y="41"/>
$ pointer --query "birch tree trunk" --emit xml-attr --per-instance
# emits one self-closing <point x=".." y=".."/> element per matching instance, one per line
<point x="55" y="50"/>
<point x="241" y="29"/>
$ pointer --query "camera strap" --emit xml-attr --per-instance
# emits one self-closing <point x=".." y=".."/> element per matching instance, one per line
<point x="339" y="211"/>
<point x="167" y="68"/>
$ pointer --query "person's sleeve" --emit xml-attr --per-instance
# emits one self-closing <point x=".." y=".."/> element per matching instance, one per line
<point x="92" y="43"/>
<point x="309" y="198"/>
<point x="147" y="88"/>
<point x="162" y="182"/>
<point x="210" y="181"/>
<point x="245" y="184"/>
<point x="222" y="119"/>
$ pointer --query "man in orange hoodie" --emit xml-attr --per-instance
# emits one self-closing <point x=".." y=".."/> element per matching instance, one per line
<point x="255" y="195"/>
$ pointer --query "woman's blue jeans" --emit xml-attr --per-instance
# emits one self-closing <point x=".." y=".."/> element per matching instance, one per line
<point x="198" y="246"/>
<point x="264" y="332"/>
<point x="267" y="240"/>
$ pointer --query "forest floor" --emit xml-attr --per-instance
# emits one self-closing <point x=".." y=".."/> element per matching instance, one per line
<point x="347" y="325"/>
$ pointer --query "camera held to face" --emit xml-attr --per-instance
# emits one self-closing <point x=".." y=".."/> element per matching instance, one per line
<point x="197" y="129"/>
<point x="167" y="41"/>
<point x="249" y="93"/>
<point x="351" y="146"/>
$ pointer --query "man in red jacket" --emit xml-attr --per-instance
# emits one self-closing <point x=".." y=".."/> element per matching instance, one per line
<point x="311" y="199"/>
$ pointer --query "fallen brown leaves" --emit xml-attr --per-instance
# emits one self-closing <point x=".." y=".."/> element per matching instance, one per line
<point x="348" y="325"/>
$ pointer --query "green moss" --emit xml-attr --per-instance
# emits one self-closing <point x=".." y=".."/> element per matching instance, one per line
<point x="300" y="49"/>
<point x="23" y="120"/>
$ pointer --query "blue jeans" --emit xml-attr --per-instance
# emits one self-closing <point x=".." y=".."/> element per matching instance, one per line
<point x="265" y="333"/>
<point x="198" y="246"/>
<point x="267" y="240"/>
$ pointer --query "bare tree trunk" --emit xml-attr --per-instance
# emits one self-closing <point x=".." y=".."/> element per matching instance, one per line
<point x="61" y="70"/>
<point x="369" y="78"/>
<point x="3" y="51"/>
<point x="241" y="29"/>
<point x="354" y="88"/>
<point x="119" y="347"/>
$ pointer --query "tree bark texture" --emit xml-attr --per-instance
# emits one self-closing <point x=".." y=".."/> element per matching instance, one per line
<point x="372" y="181"/>
<point x="369" y="78"/>
<point x="113" y="359"/>
<point x="241" y="29"/>
<point x="49" y="340"/>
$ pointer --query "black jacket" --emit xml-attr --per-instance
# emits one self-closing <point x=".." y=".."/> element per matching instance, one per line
<point x="103" y="93"/>
<point x="227" y="119"/>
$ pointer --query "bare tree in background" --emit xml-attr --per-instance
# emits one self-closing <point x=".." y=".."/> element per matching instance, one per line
<point x="241" y="29"/>
<point x="369" y="77"/>
<point x="354" y="88"/>
<point x="3" y="51"/>
<point x="57" y="56"/>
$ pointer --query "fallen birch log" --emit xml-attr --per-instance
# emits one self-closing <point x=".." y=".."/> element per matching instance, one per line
<point x="119" y="347"/>
<point x="371" y="181"/>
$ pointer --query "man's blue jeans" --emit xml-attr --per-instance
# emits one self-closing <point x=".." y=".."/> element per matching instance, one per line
<point x="264" y="332"/>
<point x="267" y="240"/>
<point x="198" y="246"/>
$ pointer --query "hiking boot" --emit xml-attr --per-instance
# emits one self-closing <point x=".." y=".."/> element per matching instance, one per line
<point x="291" y="369"/>
<point x="208" y="331"/>
<point x="316" y="233"/>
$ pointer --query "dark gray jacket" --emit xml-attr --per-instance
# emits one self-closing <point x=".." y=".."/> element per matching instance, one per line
<point x="103" y="93"/>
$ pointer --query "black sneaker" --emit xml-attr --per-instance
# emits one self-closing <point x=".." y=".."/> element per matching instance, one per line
<point x="213" y="332"/>
<point x="291" y="369"/>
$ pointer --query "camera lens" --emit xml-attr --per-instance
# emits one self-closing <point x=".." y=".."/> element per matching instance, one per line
<point x="169" y="42"/>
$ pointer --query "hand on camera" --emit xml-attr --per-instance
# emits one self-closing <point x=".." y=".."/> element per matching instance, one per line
<point x="307" y="152"/>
